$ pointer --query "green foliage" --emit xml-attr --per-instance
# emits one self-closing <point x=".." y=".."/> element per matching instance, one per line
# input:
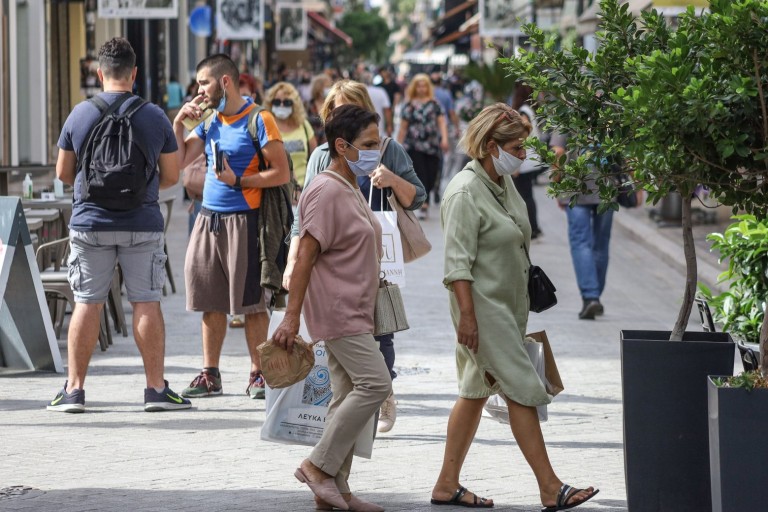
<point x="370" y="33"/>
<point x="682" y="107"/>
<point x="741" y="308"/>
<point x="494" y="79"/>
<point x="746" y="380"/>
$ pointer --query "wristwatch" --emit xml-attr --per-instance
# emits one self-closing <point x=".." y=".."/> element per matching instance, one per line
<point x="237" y="182"/>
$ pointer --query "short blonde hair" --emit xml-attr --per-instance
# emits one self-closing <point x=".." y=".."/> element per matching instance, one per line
<point x="353" y="92"/>
<point x="410" y="91"/>
<point x="498" y="122"/>
<point x="299" y="115"/>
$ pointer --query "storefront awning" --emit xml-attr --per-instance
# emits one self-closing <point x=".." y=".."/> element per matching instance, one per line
<point x="439" y="55"/>
<point x="318" y="19"/>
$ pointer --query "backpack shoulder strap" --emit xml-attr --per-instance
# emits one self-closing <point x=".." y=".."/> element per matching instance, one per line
<point x="136" y="105"/>
<point x="253" y="130"/>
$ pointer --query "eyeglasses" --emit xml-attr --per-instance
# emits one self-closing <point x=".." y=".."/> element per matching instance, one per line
<point x="285" y="103"/>
<point x="508" y="115"/>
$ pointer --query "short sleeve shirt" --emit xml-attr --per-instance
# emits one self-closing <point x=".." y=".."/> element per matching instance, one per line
<point x="342" y="288"/>
<point x="423" y="132"/>
<point x="297" y="144"/>
<point x="233" y="138"/>
<point x="152" y="126"/>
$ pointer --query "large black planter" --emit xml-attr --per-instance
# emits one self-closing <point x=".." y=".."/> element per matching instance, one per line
<point x="737" y="448"/>
<point x="666" y="437"/>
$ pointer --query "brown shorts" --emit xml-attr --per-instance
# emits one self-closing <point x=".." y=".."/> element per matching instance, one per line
<point x="222" y="270"/>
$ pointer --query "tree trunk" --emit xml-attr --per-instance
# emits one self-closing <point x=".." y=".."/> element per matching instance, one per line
<point x="764" y="343"/>
<point x="691" y="270"/>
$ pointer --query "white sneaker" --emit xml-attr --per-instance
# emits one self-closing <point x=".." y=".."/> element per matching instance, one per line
<point x="388" y="414"/>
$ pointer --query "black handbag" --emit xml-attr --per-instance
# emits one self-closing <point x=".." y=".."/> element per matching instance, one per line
<point x="627" y="196"/>
<point x="541" y="291"/>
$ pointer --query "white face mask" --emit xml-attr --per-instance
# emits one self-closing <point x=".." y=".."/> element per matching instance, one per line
<point x="507" y="164"/>
<point x="282" y="112"/>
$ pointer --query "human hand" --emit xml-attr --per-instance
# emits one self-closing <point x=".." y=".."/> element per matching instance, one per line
<point x="193" y="109"/>
<point x="382" y="177"/>
<point x="286" y="333"/>
<point x="287" y="274"/>
<point x="444" y="146"/>
<point x="467" y="331"/>
<point x="227" y="175"/>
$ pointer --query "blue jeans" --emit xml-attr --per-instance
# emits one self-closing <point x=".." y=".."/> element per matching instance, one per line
<point x="387" y="349"/>
<point x="589" y="234"/>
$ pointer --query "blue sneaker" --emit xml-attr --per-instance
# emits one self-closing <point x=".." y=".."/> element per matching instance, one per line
<point x="68" y="402"/>
<point x="166" y="400"/>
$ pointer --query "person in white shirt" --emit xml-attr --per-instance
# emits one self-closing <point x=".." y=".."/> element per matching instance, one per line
<point x="381" y="103"/>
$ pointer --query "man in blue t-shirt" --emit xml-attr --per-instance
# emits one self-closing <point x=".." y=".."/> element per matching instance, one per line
<point x="222" y="271"/>
<point x="100" y="238"/>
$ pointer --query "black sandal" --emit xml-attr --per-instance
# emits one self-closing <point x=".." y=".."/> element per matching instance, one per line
<point x="565" y="493"/>
<point x="456" y="500"/>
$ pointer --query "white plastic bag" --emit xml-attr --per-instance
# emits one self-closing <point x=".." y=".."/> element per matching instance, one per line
<point x="496" y="406"/>
<point x="392" y="260"/>
<point x="296" y="414"/>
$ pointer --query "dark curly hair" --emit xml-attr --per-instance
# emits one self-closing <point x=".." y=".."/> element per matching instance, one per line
<point x="117" y="59"/>
<point x="220" y="65"/>
<point x="347" y="122"/>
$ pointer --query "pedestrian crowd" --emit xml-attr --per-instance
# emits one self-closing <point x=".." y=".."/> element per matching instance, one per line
<point x="292" y="175"/>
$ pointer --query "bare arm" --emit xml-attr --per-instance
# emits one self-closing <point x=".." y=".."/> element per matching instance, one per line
<point x="169" y="169"/>
<point x="467" y="331"/>
<point x="66" y="166"/>
<point x="384" y="178"/>
<point x="388" y="121"/>
<point x="443" y="126"/>
<point x="403" y="131"/>
<point x="309" y="249"/>
<point x="312" y="144"/>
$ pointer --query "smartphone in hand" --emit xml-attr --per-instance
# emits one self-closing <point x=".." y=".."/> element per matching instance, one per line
<point x="218" y="157"/>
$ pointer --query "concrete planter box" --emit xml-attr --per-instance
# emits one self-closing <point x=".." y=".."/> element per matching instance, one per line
<point x="666" y="439"/>
<point x="737" y="448"/>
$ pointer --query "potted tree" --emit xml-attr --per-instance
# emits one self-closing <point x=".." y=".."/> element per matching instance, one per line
<point x="680" y="107"/>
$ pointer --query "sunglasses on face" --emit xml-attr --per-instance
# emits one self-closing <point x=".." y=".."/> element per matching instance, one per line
<point x="284" y="103"/>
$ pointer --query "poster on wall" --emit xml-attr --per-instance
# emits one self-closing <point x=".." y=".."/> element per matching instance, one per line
<point x="240" y="19"/>
<point x="503" y="18"/>
<point x="138" y="9"/>
<point x="291" y="31"/>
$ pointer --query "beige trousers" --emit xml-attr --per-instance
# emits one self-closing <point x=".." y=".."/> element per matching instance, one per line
<point x="360" y="383"/>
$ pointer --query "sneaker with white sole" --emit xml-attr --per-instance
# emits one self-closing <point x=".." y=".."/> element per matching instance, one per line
<point x="166" y="400"/>
<point x="73" y="402"/>
<point x="388" y="414"/>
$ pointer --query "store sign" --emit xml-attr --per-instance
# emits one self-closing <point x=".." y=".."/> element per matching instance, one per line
<point x="27" y="340"/>
<point x="240" y="19"/>
<point x="138" y="9"/>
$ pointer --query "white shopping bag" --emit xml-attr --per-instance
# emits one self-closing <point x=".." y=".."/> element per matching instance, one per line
<point x="496" y="406"/>
<point x="296" y="414"/>
<point x="392" y="261"/>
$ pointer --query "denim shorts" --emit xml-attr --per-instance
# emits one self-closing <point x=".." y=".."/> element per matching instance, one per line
<point x="94" y="255"/>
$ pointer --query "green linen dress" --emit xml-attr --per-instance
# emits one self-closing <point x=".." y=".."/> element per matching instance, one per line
<point x="485" y="245"/>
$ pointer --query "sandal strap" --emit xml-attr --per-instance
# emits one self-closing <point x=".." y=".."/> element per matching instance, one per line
<point x="460" y="492"/>
<point x="565" y="493"/>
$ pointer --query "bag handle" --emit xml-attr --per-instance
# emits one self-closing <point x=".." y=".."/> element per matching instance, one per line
<point x="384" y="145"/>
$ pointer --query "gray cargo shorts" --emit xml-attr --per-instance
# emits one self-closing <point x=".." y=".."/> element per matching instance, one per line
<point x="94" y="255"/>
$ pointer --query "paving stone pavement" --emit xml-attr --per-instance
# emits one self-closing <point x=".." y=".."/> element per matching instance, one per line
<point x="116" y="457"/>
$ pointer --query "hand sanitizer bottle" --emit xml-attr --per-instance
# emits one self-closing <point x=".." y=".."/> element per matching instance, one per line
<point x="58" y="188"/>
<point x="27" y="187"/>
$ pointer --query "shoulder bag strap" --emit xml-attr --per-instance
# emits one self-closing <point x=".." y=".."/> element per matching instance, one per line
<point x="504" y="208"/>
<point x="384" y="146"/>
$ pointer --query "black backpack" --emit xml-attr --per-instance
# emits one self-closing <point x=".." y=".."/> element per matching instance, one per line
<point x="115" y="162"/>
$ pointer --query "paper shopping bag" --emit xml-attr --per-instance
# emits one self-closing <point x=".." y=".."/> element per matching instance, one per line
<point x="392" y="262"/>
<point x="296" y="414"/>
<point x="554" y="383"/>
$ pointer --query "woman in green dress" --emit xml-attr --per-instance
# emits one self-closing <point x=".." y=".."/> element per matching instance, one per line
<point x="487" y="233"/>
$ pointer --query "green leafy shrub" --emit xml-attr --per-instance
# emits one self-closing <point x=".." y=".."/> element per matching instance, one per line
<point x="747" y="380"/>
<point x="744" y="244"/>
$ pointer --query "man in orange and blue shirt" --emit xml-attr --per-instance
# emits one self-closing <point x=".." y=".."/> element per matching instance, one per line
<point x="222" y="268"/>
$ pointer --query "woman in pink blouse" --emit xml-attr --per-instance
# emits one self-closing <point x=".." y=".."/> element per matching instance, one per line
<point x="336" y="279"/>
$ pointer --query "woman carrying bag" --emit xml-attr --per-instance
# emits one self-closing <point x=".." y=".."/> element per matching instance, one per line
<point x="336" y="278"/>
<point x="487" y="233"/>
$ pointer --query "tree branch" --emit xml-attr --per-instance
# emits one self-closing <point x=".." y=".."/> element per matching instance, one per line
<point x="762" y="96"/>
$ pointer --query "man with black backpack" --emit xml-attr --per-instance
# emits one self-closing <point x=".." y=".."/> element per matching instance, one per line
<point x="118" y="151"/>
<point x="228" y="254"/>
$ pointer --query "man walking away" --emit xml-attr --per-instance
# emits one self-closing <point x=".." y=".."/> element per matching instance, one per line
<point x="116" y="219"/>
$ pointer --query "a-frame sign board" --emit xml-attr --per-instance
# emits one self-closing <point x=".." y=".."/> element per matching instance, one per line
<point x="27" y="340"/>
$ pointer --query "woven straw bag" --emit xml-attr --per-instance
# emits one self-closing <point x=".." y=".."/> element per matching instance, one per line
<point x="389" y="314"/>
